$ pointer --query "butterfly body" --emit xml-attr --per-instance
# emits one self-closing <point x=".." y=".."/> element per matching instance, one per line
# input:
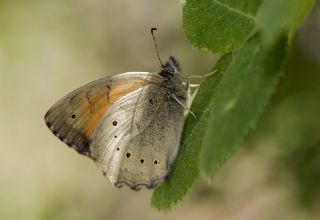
<point x="130" y="124"/>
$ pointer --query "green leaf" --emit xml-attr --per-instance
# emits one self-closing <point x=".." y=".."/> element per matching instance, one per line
<point x="220" y="26"/>
<point x="185" y="170"/>
<point x="239" y="100"/>
<point x="276" y="16"/>
<point x="304" y="10"/>
<point x="229" y="103"/>
<point x="246" y="7"/>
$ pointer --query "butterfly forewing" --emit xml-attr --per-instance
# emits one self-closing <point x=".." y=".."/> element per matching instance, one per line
<point x="74" y="118"/>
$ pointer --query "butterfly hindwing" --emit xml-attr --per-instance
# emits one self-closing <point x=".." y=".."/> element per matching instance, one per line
<point x="142" y="138"/>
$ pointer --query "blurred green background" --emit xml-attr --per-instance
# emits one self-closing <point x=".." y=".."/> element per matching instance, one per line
<point x="48" y="48"/>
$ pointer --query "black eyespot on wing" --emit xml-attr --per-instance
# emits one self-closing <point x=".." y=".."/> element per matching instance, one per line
<point x="128" y="155"/>
<point x="142" y="160"/>
<point x="73" y="116"/>
<point x="114" y="123"/>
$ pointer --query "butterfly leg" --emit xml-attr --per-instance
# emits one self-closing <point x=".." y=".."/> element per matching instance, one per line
<point x="202" y="76"/>
<point x="194" y="85"/>
<point x="185" y="107"/>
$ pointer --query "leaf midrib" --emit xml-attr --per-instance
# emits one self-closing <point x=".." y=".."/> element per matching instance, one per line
<point x="235" y="10"/>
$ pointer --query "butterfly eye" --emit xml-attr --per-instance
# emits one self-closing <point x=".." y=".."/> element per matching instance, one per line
<point x="114" y="123"/>
<point x="155" y="162"/>
<point x="142" y="160"/>
<point x="128" y="155"/>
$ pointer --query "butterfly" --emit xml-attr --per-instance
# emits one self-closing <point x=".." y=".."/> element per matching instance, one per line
<point x="130" y="124"/>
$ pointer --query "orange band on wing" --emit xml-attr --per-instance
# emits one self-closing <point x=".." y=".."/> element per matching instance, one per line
<point x="100" y="105"/>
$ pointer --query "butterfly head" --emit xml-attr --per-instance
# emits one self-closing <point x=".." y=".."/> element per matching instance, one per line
<point x="170" y="68"/>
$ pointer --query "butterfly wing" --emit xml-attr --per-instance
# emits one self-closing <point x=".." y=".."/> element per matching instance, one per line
<point x="74" y="118"/>
<point x="138" y="138"/>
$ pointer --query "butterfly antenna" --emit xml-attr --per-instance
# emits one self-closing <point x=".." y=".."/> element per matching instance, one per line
<point x="155" y="44"/>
